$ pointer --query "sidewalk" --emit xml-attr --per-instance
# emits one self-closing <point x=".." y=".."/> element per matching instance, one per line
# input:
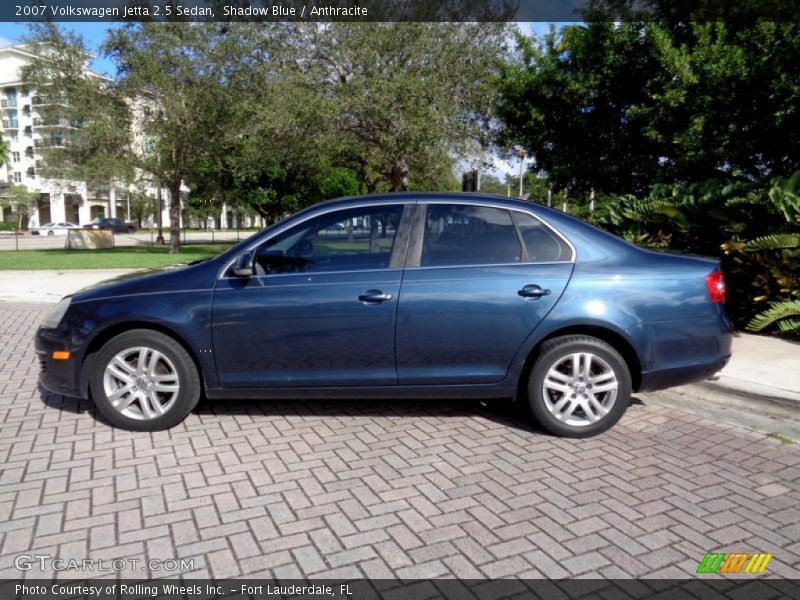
<point x="761" y="368"/>
<point x="50" y="286"/>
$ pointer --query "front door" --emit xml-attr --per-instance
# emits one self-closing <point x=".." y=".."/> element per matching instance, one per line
<point x="320" y="309"/>
<point x="479" y="279"/>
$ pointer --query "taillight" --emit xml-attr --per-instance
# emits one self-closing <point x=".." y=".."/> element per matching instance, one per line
<point x="716" y="286"/>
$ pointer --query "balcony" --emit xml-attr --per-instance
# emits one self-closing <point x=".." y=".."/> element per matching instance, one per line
<point x="52" y="143"/>
<point x="62" y="123"/>
<point x="8" y="103"/>
<point x="10" y="124"/>
<point x="49" y="99"/>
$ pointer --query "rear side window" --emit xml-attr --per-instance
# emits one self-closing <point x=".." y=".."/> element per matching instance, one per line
<point x="457" y="234"/>
<point x="541" y="244"/>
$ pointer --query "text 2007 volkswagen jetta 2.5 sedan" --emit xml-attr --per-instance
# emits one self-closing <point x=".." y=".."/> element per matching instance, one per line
<point x="402" y="295"/>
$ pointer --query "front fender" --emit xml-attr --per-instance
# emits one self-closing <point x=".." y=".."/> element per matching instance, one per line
<point x="185" y="315"/>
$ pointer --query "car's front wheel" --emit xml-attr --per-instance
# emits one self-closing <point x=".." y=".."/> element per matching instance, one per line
<point x="144" y="380"/>
<point x="51" y="232"/>
<point x="579" y="386"/>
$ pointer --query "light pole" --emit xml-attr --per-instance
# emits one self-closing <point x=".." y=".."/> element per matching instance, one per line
<point x="521" y="155"/>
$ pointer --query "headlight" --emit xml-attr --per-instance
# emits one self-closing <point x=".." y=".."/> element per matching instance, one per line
<point x="56" y="313"/>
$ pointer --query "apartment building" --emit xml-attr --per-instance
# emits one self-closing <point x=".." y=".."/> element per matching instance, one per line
<point x="78" y="202"/>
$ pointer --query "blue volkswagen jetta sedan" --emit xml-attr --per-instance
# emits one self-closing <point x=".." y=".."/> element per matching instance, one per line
<point x="392" y="296"/>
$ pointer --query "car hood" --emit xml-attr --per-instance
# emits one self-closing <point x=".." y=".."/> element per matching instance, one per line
<point x="193" y="276"/>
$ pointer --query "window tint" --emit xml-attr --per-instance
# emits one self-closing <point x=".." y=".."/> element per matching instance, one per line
<point x="354" y="239"/>
<point x="541" y="244"/>
<point x="457" y="234"/>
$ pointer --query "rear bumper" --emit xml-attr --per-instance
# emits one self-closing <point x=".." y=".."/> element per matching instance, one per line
<point x="683" y="351"/>
<point x="667" y="378"/>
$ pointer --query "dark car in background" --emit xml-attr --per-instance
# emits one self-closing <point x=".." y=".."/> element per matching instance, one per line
<point x="398" y="296"/>
<point x="114" y="224"/>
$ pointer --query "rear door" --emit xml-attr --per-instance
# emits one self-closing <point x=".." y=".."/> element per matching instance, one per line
<point x="478" y="280"/>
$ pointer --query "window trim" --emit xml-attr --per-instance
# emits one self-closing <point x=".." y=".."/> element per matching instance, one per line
<point x="414" y="258"/>
<point x="396" y="259"/>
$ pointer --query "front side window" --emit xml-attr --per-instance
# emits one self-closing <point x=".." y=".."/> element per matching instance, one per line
<point x="345" y="240"/>
<point x="457" y="234"/>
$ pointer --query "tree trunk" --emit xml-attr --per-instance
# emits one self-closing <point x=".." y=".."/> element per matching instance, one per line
<point x="175" y="217"/>
<point x="399" y="175"/>
<point x="374" y="246"/>
<point x="265" y="214"/>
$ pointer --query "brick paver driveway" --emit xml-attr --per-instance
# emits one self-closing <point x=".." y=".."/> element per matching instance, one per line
<point x="405" y="489"/>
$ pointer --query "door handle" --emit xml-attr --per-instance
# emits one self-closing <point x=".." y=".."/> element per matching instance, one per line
<point x="533" y="291"/>
<point x="374" y="297"/>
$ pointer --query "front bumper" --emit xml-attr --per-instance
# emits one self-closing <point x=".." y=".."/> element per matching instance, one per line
<point x="57" y="376"/>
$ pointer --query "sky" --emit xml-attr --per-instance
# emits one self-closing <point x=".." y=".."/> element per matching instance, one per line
<point x="95" y="33"/>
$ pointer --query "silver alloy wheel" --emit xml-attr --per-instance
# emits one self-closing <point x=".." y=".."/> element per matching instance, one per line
<point x="141" y="383"/>
<point x="580" y="389"/>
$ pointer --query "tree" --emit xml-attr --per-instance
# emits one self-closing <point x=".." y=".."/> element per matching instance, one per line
<point x="619" y="107"/>
<point x="275" y="116"/>
<point x="405" y="97"/>
<point x="21" y="202"/>
<point x="5" y="149"/>
<point x="168" y="83"/>
<point x="391" y="102"/>
<point x="88" y="122"/>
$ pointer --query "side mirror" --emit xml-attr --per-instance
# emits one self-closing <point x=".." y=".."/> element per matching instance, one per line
<point x="243" y="265"/>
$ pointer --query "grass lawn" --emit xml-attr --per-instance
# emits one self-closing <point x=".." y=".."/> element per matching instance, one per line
<point x="111" y="258"/>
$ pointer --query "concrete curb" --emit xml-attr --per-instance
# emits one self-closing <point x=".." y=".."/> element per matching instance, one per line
<point x="752" y="391"/>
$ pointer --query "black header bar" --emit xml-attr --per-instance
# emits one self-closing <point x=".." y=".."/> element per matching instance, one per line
<point x="740" y="11"/>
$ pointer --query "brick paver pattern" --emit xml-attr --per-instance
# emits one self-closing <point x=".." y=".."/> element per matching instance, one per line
<point x="382" y="489"/>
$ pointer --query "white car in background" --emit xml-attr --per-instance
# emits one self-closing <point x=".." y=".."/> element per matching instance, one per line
<point x="54" y="228"/>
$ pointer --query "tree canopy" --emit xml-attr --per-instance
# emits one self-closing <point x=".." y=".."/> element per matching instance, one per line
<point x="276" y="116"/>
<point x="620" y="106"/>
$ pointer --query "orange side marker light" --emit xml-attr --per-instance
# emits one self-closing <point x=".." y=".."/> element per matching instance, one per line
<point x="60" y="354"/>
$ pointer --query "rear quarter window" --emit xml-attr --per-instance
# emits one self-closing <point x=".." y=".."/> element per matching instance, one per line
<point x="541" y="243"/>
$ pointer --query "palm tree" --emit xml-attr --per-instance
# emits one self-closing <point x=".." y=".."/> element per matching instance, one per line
<point x="785" y="313"/>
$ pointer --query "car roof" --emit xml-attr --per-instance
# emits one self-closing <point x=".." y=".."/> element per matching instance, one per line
<point x="394" y="197"/>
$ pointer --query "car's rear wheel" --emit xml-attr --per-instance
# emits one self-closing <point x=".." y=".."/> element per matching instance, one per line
<point x="144" y="380"/>
<point x="51" y="232"/>
<point x="579" y="386"/>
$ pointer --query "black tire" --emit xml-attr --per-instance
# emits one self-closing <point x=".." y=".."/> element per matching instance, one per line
<point x="50" y="233"/>
<point x="189" y="384"/>
<point x="552" y="353"/>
